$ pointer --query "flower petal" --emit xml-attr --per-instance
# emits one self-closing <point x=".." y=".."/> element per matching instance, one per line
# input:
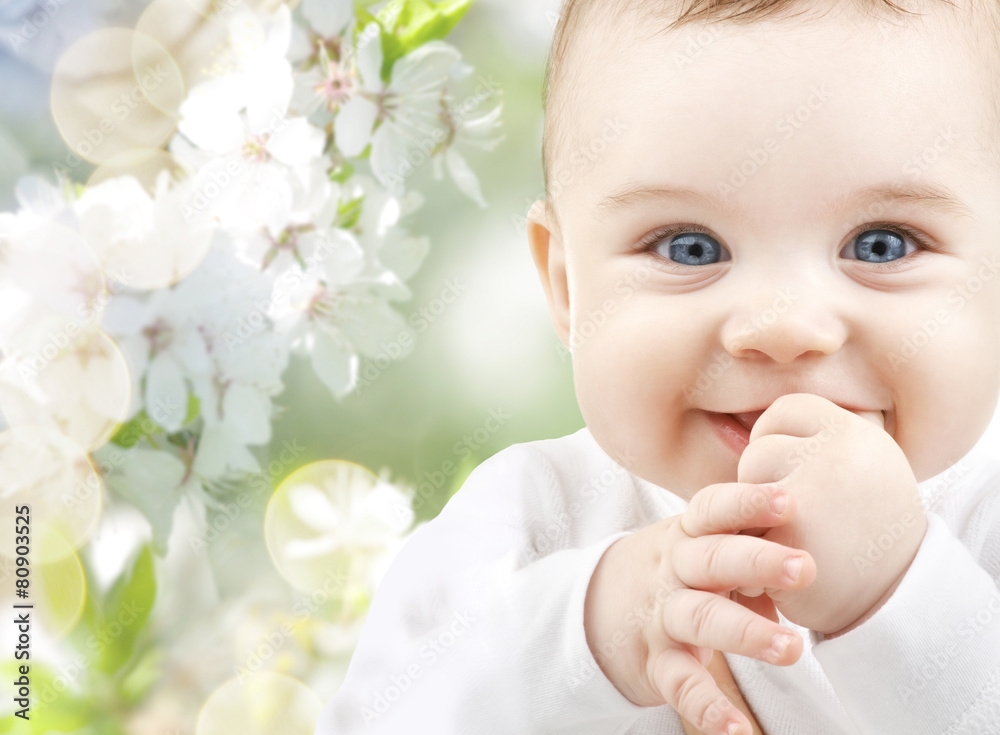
<point x="328" y="17"/>
<point x="166" y="393"/>
<point x="247" y="413"/>
<point x="150" y="480"/>
<point x="369" y="57"/>
<point x="189" y="347"/>
<point x="424" y="68"/>
<point x="388" y="157"/>
<point x="219" y="451"/>
<point x="209" y="114"/>
<point x="296" y="142"/>
<point x="402" y="253"/>
<point x="341" y="256"/>
<point x="463" y="176"/>
<point x="352" y="128"/>
<point x="334" y="363"/>
<point x="314" y="508"/>
<point x="272" y="91"/>
<point x="310" y="548"/>
<point x="371" y="323"/>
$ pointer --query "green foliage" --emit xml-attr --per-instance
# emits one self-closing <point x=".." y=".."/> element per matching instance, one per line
<point x="142" y="426"/>
<point x="129" y="433"/>
<point x="53" y="707"/>
<point x="342" y="172"/>
<point x="417" y="22"/>
<point x="112" y="624"/>
<point x="348" y="213"/>
<point x="144" y="674"/>
<point x="91" y="701"/>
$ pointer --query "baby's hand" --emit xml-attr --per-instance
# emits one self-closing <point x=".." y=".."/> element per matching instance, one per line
<point x="658" y="603"/>
<point x="855" y="492"/>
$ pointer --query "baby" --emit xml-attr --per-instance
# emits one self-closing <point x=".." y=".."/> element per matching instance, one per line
<point x="770" y="240"/>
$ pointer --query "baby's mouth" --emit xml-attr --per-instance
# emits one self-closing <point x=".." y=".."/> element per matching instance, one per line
<point x="747" y="419"/>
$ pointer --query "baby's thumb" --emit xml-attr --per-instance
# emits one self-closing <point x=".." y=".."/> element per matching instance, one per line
<point x="876" y="417"/>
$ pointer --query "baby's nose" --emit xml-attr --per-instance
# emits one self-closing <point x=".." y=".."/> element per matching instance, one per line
<point x="783" y="330"/>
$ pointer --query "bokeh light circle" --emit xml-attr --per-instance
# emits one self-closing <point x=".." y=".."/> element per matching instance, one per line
<point x="58" y="587"/>
<point x="59" y="279"/>
<point x="143" y="164"/>
<point x="261" y="703"/>
<point x="145" y="240"/>
<point x="196" y="32"/>
<point x="44" y="470"/>
<point x="113" y="91"/>
<point x="333" y="519"/>
<point x="83" y="390"/>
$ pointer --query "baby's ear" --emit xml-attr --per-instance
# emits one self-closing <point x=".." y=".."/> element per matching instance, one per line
<point x="550" y="261"/>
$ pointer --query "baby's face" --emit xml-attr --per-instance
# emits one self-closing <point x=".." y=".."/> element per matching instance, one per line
<point x="813" y="251"/>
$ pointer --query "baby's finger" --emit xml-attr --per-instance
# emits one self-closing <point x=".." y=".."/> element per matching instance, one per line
<point x="725" y="562"/>
<point x="713" y="621"/>
<point x="729" y="507"/>
<point x="763" y="605"/>
<point x="690" y="689"/>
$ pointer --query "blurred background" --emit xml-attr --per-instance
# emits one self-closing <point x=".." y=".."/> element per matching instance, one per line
<point x="492" y="348"/>
<point x="487" y="371"/>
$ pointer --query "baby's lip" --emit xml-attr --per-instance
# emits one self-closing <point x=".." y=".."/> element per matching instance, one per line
<point x="747" y="418"/>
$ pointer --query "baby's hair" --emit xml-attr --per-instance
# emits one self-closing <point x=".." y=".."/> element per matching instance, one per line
<point x="656" y="17"/>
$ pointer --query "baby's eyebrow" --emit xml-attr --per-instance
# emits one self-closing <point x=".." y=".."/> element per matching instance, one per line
<point x="931" y="196"/>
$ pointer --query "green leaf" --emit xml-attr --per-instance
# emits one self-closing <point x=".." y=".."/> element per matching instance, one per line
<point x="125" y="611"/>
<point x="342" y="172"/>
<point x="364" y="19"/>
<point x="53" y="705"/>
<point x="418" y="22"/>
<point x="147" y="671"/>
<point x="141" y="426"/>
<point x="194" y="407"/>
<point x="348" y="213"/>
<point x="361" y="5"/>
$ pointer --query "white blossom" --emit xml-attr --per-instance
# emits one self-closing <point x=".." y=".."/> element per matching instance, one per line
<point x="398" y="117"/>
<point x="348" y="515"/>
<point x="258" y="159"/>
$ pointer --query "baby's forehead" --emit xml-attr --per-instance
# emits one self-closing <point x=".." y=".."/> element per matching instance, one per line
<point x="639" y="68"/>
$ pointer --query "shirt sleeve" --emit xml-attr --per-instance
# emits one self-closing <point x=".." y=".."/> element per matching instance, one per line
<point x="928" y="661"/>
<point x="473" y="630"/>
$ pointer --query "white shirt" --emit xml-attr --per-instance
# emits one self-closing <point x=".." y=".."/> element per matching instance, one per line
<point x="477" y="626"/>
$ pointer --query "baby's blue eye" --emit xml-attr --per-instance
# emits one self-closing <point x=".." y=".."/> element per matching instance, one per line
<point x="880" y="245"/>
<point x="695" y="248"/>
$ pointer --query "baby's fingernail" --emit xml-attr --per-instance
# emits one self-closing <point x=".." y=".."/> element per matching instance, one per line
<point x="734" y="727"/>
<point x="793" y="567"/>
<point x="779" y="644"/>
<point x="779" y="503"/>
